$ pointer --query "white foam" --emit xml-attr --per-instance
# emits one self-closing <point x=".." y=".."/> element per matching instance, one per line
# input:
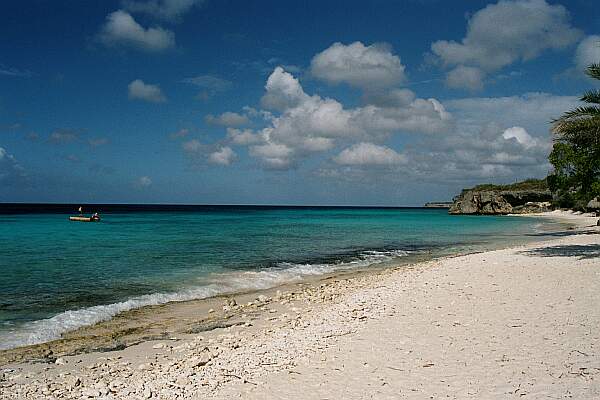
<point x="52" y="328"/>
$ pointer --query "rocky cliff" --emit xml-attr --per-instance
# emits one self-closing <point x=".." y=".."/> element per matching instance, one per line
<point x="518" y="198"/>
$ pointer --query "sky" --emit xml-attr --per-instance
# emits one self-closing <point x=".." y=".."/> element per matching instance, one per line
<point x="283" y="102"/>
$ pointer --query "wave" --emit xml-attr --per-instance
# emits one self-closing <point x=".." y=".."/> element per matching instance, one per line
<point x="45" y="330"/>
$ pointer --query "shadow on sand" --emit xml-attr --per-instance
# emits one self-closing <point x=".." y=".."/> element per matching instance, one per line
<point x="568" y="250"/>
<point x="569" y="232"/>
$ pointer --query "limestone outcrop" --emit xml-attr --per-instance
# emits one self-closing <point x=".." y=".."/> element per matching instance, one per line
<point x="501" y="202"/>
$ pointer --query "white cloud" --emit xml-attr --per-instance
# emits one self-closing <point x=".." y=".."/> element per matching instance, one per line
<point x="520" y="135"/>
<point x="121" y="29"/>
<point x="308" y="124"/>
<point x="229" y="119"/>
<point x="138" y="90"/>
<point x="358" y="65"/>
<point x="223" y="156"/>
<point x="244" y="137"/>
<point x="171" y="10"/>
<point x="273" y="155"/>
<point x="200" y="153"/>
<point x="369" y="154"/>
<point x="588" y="52"/>
<point x="143" y="182"/>
<point x="488" y="152"/>
<point x="494" y="139"/>
<point x="508" y="31"/>
<point x="465" y="77"/>
<point x="283" y="91"/>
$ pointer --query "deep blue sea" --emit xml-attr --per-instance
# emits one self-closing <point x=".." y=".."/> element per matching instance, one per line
<point x="57" y="275"/>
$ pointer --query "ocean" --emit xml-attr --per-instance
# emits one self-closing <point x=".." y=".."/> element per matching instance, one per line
<point x="57" y="275"/>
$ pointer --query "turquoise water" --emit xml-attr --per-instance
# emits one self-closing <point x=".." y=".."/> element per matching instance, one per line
<point x="58" y="275"/>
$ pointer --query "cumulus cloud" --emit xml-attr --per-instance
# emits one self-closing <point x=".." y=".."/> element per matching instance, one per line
<point x="200" y="153"/>
<point x="588" y="52"/>
<point x="503" y="33"/>
<point x="223" y="156"/>
<point x="465" y="77"/>
<point x="138" y="90"/>
<point x="461" y="158"/>
<point x="229" y="119"/>
<point x="170" y="10"/>
<point x="369" y="154"/>
<point x="358" y="65"/>
<point x="283" y="91"/>
<point x="494" y="139"/>
<point x="305" y="124"/>
<point x="121" y="29"/>
<point x="521" y="136"/>
<point x="273" y="155"/>
<point x="490" y="152"/>
<point x="244" y="137"/>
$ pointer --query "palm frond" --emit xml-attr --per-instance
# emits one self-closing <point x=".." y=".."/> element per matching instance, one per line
<point x="580" y="112"/>
<point x="593" y="71"/>
<point x="577" y="127"/>
<point x="591" y="96"/>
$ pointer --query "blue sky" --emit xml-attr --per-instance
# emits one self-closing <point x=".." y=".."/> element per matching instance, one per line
<point x="276" y="102"/>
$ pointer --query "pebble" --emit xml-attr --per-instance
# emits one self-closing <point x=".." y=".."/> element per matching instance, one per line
<point x="72" y="382"/>
<point x="91" y="393"/>
<point x="144" y="366"/>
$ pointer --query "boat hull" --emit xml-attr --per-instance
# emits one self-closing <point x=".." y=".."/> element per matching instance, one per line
<point x="84" y="219"/>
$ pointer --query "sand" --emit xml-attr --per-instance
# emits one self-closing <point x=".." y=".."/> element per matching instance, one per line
<point x="518" y="322"/>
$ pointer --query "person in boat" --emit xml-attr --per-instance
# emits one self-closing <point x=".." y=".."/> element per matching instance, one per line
<point x="80" y="210"/>
<point x="95" y="216"/>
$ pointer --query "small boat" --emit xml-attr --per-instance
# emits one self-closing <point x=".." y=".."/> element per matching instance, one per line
<point x="81" y="218"/>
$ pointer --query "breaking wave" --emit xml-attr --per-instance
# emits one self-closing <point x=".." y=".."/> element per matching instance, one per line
<point x="216" y="284"/>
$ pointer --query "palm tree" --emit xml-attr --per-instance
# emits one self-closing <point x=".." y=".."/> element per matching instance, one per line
<point x="581" y="126"/>
<point x="576" y="151"/>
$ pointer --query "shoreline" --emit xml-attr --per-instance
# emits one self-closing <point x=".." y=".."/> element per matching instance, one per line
<point x="280" y="312"/>
<point x="155" y="321"/>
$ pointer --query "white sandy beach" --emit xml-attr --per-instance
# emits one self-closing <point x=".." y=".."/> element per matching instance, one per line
<point x="519" y="322"/>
